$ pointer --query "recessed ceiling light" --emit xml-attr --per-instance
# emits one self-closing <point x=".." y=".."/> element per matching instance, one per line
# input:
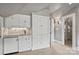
<point x="70" y="3"/>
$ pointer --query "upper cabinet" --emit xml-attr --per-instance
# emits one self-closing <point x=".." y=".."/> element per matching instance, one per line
<point x="1" y="21"/>
<point x="17" y="21"/>
<point x="11" y="22"/>
<point x="24" y="21"/>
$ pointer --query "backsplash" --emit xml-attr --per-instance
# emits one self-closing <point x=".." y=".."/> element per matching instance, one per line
<point x="17" y="31"/>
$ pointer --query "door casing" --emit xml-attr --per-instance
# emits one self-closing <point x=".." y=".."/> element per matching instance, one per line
<point x="73" y="30"/>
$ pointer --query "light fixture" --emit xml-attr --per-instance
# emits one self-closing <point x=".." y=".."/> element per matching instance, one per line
<point x="57" y="21"/>
<point x="70" y="3"/>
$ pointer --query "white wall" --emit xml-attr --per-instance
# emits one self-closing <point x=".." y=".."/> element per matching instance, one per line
<point x="57" y="30"/>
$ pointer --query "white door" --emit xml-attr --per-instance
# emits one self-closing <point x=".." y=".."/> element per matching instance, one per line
<point x="35" y="32"/>
<point x="45" y="32"/>
<point x="40" y="31"/>
<point x="10" y="45"/>
<point x="22" y="43"/>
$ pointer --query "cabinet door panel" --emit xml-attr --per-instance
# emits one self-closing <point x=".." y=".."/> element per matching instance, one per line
<point x="21" y="21"/>
<point x="24" y="21"/>
<point x="41" y="28"/>
<point x="11" y="22"/>
<point x="8" y="22"/>
<point x="1" y="46"/>
<point x="27" y="21"/>
<point x="22" y="44"/>
<point x="28" y="43"/>
<point x="10" y="45"/>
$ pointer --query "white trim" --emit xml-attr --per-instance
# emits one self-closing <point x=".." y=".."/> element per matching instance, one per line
<point x="77" y="49"/>
<point x="60" y="42"/>
<point x="73" y="30"/>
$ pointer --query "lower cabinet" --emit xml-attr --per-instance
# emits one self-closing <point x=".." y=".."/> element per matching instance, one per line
<point x="28" y="43"/>
<point x="1" y="48"/>
<point x="24" y="43"/>
<point x="10" y="45"/>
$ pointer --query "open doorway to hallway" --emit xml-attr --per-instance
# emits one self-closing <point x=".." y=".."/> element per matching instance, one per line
<point x="64" y="31"/>
<point x="68" y="32"/>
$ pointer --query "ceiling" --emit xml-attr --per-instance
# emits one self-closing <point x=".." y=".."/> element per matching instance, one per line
<point x="7" y="9"/>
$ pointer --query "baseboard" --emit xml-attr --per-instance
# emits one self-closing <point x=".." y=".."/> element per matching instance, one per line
<point x="10" y="53"/>
<point x="58" y="42"/>
<point x="77" y="48"/>
<point x="41" y="47"/>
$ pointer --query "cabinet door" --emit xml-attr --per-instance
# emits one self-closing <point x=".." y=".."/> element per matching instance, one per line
<point x="24" y="21"/>
<point x="0" y="46"/>
<point x="15" y="22"/>
<point x="21" y="21"/>
<point x="28" y="44"/>
<point x="27" y="21"/>
<point x="11" y="22"/>
<point x="22" y="43"/>
<point x="10" y="45"/>
<point x="36" y="29"/>
<point x="8" y="22"/>
<point x="40" y="29"/>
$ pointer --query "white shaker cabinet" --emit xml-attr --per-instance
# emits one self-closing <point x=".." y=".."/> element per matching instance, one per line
<point x="17" y="20"/>
<point x="10" y="45"/>
<point x="1" y="40"/>
<point x="1" y="48"/>
<point x="24" y="43"/>
<point x="24" y="21"/>
<point x="41" y="31"/>
<point x="8" y="22"/>
<point x="28" y="43"/>
<point x="11" y="22"/>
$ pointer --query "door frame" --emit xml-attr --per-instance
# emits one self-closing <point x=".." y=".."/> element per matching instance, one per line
<point x="54" y="39"/>
<point x="73" y="29"/>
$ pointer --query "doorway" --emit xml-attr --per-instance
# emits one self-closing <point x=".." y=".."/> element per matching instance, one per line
<point x="68" y="32"/>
